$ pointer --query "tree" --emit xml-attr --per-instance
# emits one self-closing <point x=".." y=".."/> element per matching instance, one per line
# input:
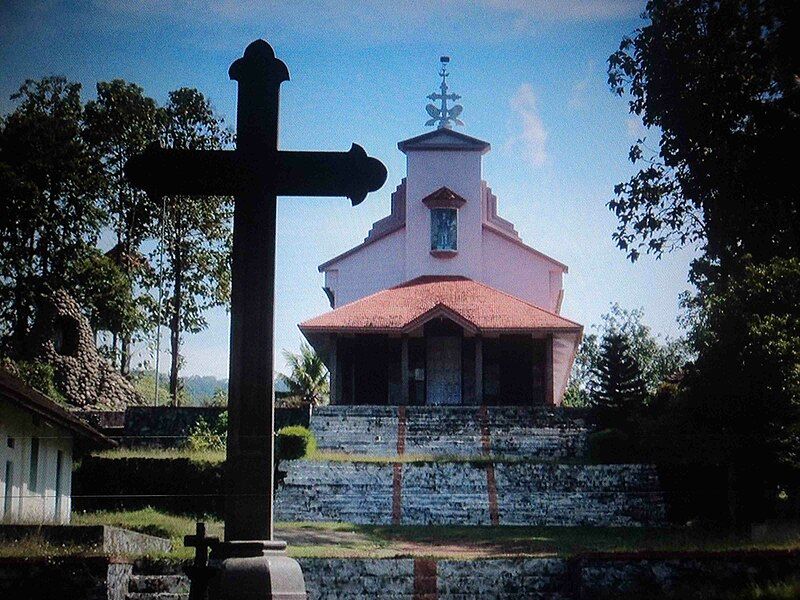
<point x="105" y="293"/>
<point x="745" y="384"/>
<point x="50" y="186"/>
<point x="120" y="124"/>
<point x="658" y="358"/>
<point x="618" y="390"/>
<point x="195" y="234"/>
<point x="308" y="380"/>
<point x="718" y="80"/>
<point x="577" y="392"/>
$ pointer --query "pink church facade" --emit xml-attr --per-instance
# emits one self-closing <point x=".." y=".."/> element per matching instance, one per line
<point x="443" y="303"/>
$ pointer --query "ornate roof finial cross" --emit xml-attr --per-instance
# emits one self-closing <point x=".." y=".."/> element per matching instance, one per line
<point x="444" y="116"/>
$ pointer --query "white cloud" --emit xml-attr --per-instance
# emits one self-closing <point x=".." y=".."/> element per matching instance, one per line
<point x="532" y="139"/>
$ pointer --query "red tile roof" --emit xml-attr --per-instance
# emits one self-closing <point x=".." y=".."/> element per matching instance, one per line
<point x="475" y="306"/>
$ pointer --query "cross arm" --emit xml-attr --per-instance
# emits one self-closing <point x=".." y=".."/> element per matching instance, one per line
<point x="168" y="171"/>
<point x="164" y="171"/>
<point x="352" y="174"/>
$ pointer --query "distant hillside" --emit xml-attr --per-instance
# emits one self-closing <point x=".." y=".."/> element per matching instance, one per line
<point x="197" y="389"/>
<point x="201" y="388"/>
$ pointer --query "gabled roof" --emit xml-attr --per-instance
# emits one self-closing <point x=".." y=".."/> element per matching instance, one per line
<point x="478" y="308"/>
<point x="444" y="139"/>
<point x="442" y="197"/>
<point x="16" y="391"/>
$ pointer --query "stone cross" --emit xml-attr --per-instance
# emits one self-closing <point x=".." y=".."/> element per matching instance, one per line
<point x="255" y="174"/>
<point x="199" y="571"/>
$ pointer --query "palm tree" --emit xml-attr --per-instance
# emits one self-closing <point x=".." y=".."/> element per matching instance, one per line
<point x="308" y="380"/>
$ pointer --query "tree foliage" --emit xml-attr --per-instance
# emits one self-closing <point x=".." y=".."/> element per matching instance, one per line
<point x="308" y="379"/>
<point x="50" y="187"/>
<point x="62" y="185"/>
<point x="105" y="292"/>
<point x="195" y="235"/>
<point x="120" y="123"/>
<point x="718" y="80"/>
<point x="751" y="322"/>
<point x="658" y="358"/>
<point x="618" y="390"/>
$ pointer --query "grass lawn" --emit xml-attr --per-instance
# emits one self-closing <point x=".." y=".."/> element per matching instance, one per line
<point x="319" y="456"/>
<point x="349" y="540"/>
<point x="215" y="456"/>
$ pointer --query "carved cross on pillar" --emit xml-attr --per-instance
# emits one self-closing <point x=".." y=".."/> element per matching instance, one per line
<point x="255" y="173"/>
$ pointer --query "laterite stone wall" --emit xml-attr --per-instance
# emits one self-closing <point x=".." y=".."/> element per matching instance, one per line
<point x="462" y="493"/>
<point x="450" y="431"/>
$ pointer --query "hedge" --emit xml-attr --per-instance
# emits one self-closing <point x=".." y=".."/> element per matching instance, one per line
<point x="176" y="485"/>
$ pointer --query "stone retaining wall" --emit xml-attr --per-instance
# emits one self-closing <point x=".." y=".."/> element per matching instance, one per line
<point x="582" y="577"/>
<point x="73" y="578"/>
<point x="102" y="538"/>
<point x="703" y="574"/>
<point x="169" y="426"/>
<point x="450" y="431"/>
<point x="466" y="493"/>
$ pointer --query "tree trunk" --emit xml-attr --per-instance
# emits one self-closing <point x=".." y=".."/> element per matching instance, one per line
<point x="175" y="328"/>
<point x="122" y="260"/>
<point x="114" y="339"/>
<point x="125" y="355"/>
<point x="22" y="308"/>
<point x="19" y="335"/>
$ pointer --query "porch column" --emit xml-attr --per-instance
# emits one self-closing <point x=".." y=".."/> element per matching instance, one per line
<point x="478" y="370"/>
<point x="335" y="371"/>
<point x="404" y="370"/>
<point x="548" y="370"/>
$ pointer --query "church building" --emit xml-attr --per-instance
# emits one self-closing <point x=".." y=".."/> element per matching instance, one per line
<point x="443" y="303"/>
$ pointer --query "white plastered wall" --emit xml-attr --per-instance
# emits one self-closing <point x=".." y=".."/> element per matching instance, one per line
<point x="24" y="504"/>
<point x="375" y="267"/>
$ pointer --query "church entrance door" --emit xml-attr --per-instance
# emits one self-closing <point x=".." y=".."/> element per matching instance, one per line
<point x="443" y="370"/>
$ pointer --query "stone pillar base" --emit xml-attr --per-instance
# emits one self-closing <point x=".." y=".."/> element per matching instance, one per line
<point x="255" y="570"/>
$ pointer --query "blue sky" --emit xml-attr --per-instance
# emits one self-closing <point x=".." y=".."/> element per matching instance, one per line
<point x="532" y="79"/>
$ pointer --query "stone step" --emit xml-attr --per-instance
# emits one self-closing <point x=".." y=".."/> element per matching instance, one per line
<point x="175" y="584"/>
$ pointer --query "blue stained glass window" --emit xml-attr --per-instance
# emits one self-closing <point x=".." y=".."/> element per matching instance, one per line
<point x="444" y="229"/>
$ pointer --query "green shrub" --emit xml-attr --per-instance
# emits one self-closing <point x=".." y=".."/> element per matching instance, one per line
<point x="208" y="436"/>
<point x="610" y="446"/>
<point x="294" y="442"/>
<point x="41" y="376"/>
<point x="776" y="590"/>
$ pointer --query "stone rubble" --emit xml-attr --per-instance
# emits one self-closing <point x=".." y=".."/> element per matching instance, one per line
<point x="63" y="338"/>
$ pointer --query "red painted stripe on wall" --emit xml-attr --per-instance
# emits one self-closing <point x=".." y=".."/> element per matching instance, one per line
<point x="401" y="430"/>
<point x="491" y="482"/>
<point x="397" y="485"/>
<point x="486" y="442"/>
<point x="491" y="486"/>
<point x="425" y="579"/>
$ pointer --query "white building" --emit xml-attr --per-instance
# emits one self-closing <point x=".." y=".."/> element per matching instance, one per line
<point x="38" y="440"/>
<point x="443" y="303"/>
